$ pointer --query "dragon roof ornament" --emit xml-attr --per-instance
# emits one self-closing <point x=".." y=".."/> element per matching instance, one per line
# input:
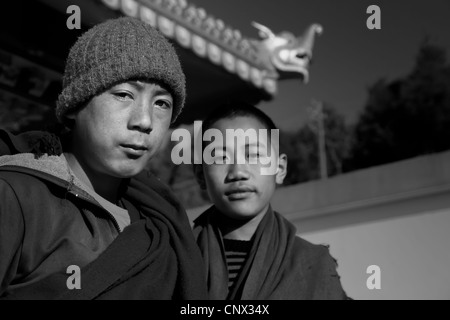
<point x="259" y="61"/>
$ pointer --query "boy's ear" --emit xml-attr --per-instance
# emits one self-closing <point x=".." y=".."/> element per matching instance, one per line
<point x="199" y="176"/>
<point x="282" y="168"/>
<point x="72" y="114"/>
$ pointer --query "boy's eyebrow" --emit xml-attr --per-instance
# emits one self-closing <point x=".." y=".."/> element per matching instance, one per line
<point x="217" y="148"/>
<point x="162" y="91"/>
<point x="247" y="145"/>
<point x="258" y="144"/>
<point x="216" y="145"/>
<point x="139" y="85"/>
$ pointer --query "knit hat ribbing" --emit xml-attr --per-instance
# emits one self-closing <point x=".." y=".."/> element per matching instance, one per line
<point x="115" y="51"/>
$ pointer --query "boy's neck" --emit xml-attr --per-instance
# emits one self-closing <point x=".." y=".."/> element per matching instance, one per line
<point x="105" y="186"/>
<point x="244" y="230"/>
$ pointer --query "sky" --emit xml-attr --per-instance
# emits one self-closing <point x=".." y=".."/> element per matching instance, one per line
<point x="348" y="57"/>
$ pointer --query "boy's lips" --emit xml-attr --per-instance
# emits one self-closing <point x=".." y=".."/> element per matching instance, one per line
<point x="239" y="192"/>
<point x="134" y="149"/>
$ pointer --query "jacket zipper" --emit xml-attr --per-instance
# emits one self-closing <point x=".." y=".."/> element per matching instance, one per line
<point x="64" y="184"/>
<point x="84" y="198"/>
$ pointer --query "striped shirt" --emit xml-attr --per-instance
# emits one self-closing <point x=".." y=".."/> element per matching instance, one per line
<point x="236" y="252"/>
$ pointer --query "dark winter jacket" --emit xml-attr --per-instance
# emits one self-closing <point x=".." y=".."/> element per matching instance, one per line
<point x="51" y="224"/>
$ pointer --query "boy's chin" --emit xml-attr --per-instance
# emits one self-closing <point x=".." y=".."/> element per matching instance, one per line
<point x="127" y="172"/>
<point x="242" y="211"/>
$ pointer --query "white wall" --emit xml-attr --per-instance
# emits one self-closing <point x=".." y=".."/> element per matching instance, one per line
<point x="413" y="253"/>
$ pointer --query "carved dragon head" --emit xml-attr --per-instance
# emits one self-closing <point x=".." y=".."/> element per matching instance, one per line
<point x="285" y="53"/>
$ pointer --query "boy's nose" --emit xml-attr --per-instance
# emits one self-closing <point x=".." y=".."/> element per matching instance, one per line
<point x="141" y="117"/>
<point x="237" y="172"/>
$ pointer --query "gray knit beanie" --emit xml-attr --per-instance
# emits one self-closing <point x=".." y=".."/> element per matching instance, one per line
<point x="115" y="51"/>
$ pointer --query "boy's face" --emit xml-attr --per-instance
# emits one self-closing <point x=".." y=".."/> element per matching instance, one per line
<point x="240" y="190"/>
<point x="118" y="131"/>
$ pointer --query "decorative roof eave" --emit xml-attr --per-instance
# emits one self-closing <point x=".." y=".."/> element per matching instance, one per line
<point x="260" y="62"/>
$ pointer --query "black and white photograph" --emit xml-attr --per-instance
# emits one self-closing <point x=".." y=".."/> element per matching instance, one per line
<point x="213" y="151"/>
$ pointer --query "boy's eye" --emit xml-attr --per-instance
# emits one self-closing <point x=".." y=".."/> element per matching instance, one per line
<point x="219" y="156"/>
<point x="123" y="95"/>
<point x="255" y="152"/>
<point x="222" y="157"/>
<point x="165" y="104"/>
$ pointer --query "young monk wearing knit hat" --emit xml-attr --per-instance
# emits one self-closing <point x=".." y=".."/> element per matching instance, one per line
<point x="85" y="220"/>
